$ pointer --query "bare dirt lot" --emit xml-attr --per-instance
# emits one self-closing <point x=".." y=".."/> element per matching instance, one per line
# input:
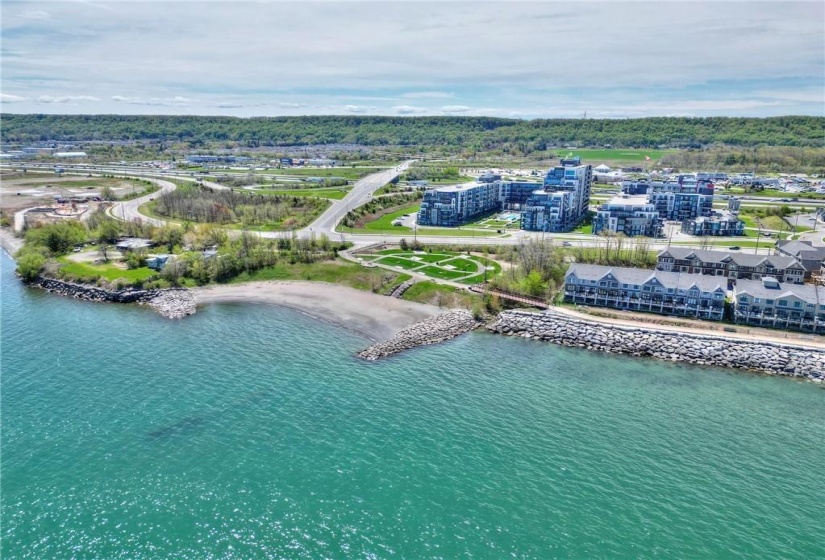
<point x="20" y="190"/>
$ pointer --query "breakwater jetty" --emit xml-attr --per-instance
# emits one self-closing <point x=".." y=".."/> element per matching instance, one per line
<point x="429" y="331"/>
<point x="173" y="303"/>
<point x="766" y="357"/>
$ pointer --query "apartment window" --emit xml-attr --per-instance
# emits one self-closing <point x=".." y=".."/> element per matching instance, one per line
<point x="770" y="302"/>
<point x="743" y="299"/>
<point x="797" y="304"/>
<point x="782" y="303"/>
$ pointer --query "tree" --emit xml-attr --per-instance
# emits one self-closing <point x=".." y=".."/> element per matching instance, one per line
<point x="29" y="265"/>
<point x="533" y="284"/>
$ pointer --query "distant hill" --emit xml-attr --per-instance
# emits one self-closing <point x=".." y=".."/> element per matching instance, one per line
<point x="466" y="132"/>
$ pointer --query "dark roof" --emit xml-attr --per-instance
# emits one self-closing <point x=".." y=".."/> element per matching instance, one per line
<point x="756" y="288"/>
<point x="740" y="259"/>
<point x="638" y="276"/>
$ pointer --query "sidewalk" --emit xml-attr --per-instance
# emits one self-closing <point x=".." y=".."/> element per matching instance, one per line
<point x="707" y="328"/>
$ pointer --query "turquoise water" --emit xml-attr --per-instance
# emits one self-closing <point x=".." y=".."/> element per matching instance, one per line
<point x="252" y="432"/>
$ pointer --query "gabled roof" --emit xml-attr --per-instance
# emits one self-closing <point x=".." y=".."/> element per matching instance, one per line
<point x="806" y="292"/>
<point x="740" y="259"/>
<point x="639" y="276"/>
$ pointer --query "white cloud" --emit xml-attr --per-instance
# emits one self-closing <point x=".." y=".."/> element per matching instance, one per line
<point x="427" y="95"/>
<point x="408" y="110"/>
<point x="66" y="98"/>
<point x="456" y="109"/>
<point x="177" y="101"/>
<point x="36" y="15"/>
<point x="463" y="54"/>
<point x="8" y="98"/>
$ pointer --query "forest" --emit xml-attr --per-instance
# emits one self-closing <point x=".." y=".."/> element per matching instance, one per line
<point x="474" y="133"/>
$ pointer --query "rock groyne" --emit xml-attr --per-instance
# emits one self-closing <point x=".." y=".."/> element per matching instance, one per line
<point x="174" y="303"/>
<point x="766" y="357"/>
<point x="430" y="331"/>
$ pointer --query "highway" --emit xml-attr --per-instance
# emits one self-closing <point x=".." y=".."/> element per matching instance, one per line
<point x="361" y="193"/>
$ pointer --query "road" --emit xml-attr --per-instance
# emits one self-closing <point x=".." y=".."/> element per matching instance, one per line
<point x="128" y="210"/>
<point x="360" y="194"/>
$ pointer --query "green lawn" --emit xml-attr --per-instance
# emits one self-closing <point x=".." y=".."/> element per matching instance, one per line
<point x="617" y="155"/>
<point x="462" y="264"/>
<point x="343" y="172"/>
<point x="109" y="271"/>
<point x="402" y="262"/>
<point x="436" y="272"/>
<point x="385" y="221"/>
<point x="335" y="193"/>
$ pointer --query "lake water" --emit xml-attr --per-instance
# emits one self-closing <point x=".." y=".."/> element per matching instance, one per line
<point x="253" y="432"/>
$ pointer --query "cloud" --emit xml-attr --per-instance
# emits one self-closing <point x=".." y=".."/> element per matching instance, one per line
<point x="408" y="110"/>
<point x="456" y="109"/>
<point x="177" y="101"/>
<point x="66" y="98"/>
<point x="427" y="95"/>
<point x="8" y="98"/>
<point x="406" y="56"/>
<point x="36" y="15"/>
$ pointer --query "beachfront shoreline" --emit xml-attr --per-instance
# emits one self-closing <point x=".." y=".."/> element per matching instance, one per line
<point x="374" y="316"/>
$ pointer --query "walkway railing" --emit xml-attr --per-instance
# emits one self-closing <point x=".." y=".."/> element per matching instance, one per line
<point x="512" y="296"/>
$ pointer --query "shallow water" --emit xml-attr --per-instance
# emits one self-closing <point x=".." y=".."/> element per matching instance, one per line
<point x="252" y="432"/>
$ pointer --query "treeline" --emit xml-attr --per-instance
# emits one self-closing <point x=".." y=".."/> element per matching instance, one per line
<point x="228" y="258"/>
<point x="222" y="206"/>
<point x="478" y="133"/>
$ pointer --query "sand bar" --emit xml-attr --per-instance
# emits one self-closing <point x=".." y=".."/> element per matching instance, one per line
<point x="374" y="316"/>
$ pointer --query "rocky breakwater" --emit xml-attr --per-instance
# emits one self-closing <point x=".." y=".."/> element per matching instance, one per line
<point x="761" y="356"/>
<point x="171" y="303"/>
<point x="430" y="331"/>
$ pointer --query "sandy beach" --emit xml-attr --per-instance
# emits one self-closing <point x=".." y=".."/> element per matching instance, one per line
<point x="374" y="316"/>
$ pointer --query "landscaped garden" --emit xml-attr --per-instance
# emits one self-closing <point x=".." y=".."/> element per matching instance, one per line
<point x="442" y="265"/>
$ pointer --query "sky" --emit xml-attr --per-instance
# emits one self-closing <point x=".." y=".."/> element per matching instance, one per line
<point x="503" y="59"/>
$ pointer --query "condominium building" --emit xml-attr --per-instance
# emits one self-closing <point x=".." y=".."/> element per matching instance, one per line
<point x="653" y="291"/>
<point x="548" y="211"/>
<point x="630" y="215"/>
<point x="560" y="203"/>
<point x="514" y="194"/>
<point x="768" y="303"/>
<point x="458" y="204"/>
<point x="682" y="200"/>
<point x="720" y="223"/>
<point x="564" y="202"/>
<point x="732" y="265"/>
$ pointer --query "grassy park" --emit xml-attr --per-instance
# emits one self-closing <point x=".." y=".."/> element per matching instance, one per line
<point x="438" y="264"/>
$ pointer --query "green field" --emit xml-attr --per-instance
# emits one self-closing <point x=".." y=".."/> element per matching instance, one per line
<point x="385" y="221"/>
<point x="443" y="265"/>
<point x="108" y="272"/>
<point x="335" y="193"/>
<point x="343" y="172"/>
<point x="605" y="155"/>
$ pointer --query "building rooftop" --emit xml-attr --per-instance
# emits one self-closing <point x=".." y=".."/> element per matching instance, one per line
<point x="740" y="259"/>
<point x="771" y="290"/>
<point x="639" y="276"/>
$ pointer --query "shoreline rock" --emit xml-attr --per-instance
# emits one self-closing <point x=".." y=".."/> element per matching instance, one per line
<point x="172" y="303"/>
<point x="709" y="350"/>
<point x="429" y="331"/>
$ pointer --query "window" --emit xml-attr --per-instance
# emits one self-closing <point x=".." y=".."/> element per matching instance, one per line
<point x="757" y="300"/>
<point x="783" y="303"/>
<point x="797" y="304"/>
<point x="743" y="299"/>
